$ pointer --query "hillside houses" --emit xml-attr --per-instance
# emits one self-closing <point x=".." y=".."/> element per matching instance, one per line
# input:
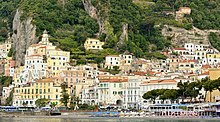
<point x="46" y="67"/>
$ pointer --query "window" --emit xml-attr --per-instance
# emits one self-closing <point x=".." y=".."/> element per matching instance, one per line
<point x="115" y="85"/>
<point x="56" y="96"/>
<point x="49" y="90"/>
<point x="120" y="85"/>
<point x="114" y="92"/>
<point x="56" y="90"/>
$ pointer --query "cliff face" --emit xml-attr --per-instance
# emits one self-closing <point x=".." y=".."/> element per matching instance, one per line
<point x="23" y="36"/>
<point x="93" y="12"/>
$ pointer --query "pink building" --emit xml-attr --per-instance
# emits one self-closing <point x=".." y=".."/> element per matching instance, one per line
<point x="9" y="67"/>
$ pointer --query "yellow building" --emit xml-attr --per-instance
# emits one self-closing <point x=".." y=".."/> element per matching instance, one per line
<point x="44" y="88"/>
<point x="57" y="61"/>
<point x="93" y="44"/>
<point x="215" y="95"/>
<point x="213" y="55"/>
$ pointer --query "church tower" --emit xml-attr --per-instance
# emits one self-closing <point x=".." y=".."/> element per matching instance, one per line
<point x="45" y="38"/>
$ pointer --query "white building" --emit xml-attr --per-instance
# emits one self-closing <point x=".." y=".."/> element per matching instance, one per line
<point x="89" y="95"/>
<point x="132" y="97"/>
<point x="156" y="84"/>
<point x="111" y="61"/>
<point x="111" y="90"/>
<point x="6" y="93"/>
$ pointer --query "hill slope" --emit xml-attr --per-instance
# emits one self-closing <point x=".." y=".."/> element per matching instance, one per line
<point x="70" y="23"/>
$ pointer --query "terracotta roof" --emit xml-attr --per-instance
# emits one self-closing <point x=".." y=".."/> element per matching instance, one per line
<point x="43" y="47"/>
<point x="34" y="45"/>
<point x="206" y="73"/>
<point x="34" y="55"/>
<point x="46" y="80"/>
<point x="206" y="66"/>
<point x="140" y="73"/>
<point x="112" y="79"/>
<point x="184" y="61"/>
<point x="159" y="81"/>
<point x="150" y="72"/>
<point x="180" y="48"/>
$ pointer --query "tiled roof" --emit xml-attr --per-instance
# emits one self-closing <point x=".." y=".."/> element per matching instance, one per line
<point x="205" y="73"/>
<point x="206" y="66"/>
<point x="35" y="45"/>
<point x="180" y="48"/>
<point x="159" y="81"/>
<point x="112" y="79"/>
<point x="46" y="80"/>
<point x="140" y="73"/>
<point x="184" y="61"/>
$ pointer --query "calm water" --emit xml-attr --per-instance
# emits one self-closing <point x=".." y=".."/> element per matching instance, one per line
<point x="101" y="120"/>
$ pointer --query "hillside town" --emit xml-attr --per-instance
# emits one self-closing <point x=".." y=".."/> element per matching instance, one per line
<point x="47" y="67"/>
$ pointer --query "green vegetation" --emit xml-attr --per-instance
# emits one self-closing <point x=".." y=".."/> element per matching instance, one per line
<point x="64" y="96"/>
<point x="5" y="80"/>
<point x="69" y="24"/>
<point x="86" y="107"/>
<point x="113" y="71"/>
<point x="9" y="100"/>
<point x="42" y="102"/>
<point x="186" y="90"/>
<point x="10" y="52"/>
<point x="205" y="14"/>
<point x="214" y="39"/>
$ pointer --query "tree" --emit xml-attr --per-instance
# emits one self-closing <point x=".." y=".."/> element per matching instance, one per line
<point x="10" y="98"/>
<point x="152" y="95"/>
<point x="42" y="102"/>
<point x="64" y="96"/>
<point x="53" y="105"/>
<point x="208" y="85"/>
<point x="182" y="89"/>
<point x="10" y="52"/>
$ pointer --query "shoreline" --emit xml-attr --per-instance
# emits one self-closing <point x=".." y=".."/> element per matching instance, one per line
<point x="82" y="117"/>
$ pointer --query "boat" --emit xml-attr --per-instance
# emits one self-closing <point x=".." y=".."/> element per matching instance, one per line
<point x="55" y="112"/>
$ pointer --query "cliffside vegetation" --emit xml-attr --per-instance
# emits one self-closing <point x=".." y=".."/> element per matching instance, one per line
<point x="69" y="24"/>
<point x="214" y="39"/>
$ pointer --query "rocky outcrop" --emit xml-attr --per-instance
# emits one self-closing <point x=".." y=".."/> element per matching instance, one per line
<point x="23" y="36"/>
<point x="123" y="38"/>
<point x="179" y="36"/>
<point x="93" y="12"/>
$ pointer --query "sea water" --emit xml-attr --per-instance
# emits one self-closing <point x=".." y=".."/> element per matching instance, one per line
<point x="58" y="119"/>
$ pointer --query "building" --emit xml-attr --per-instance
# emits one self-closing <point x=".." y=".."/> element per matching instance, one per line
<point x="111" y="90"/>
<point x="111" y="61"/>
<point x="6" y="93"/>
<point x="132" y="97"/>
<point x="89" y="95"/>
<point x="149" y="85"/>
<point x="214" y="96"/>
<point x="93" y="44"/>
<point x="181" y="12"/>
<point x="44" y="88"/>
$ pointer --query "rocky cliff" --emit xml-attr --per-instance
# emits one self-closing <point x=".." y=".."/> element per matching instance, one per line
<point x="93" y="12"/>
<point x="23" y="36"/>
<point x="179" y="36"/>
